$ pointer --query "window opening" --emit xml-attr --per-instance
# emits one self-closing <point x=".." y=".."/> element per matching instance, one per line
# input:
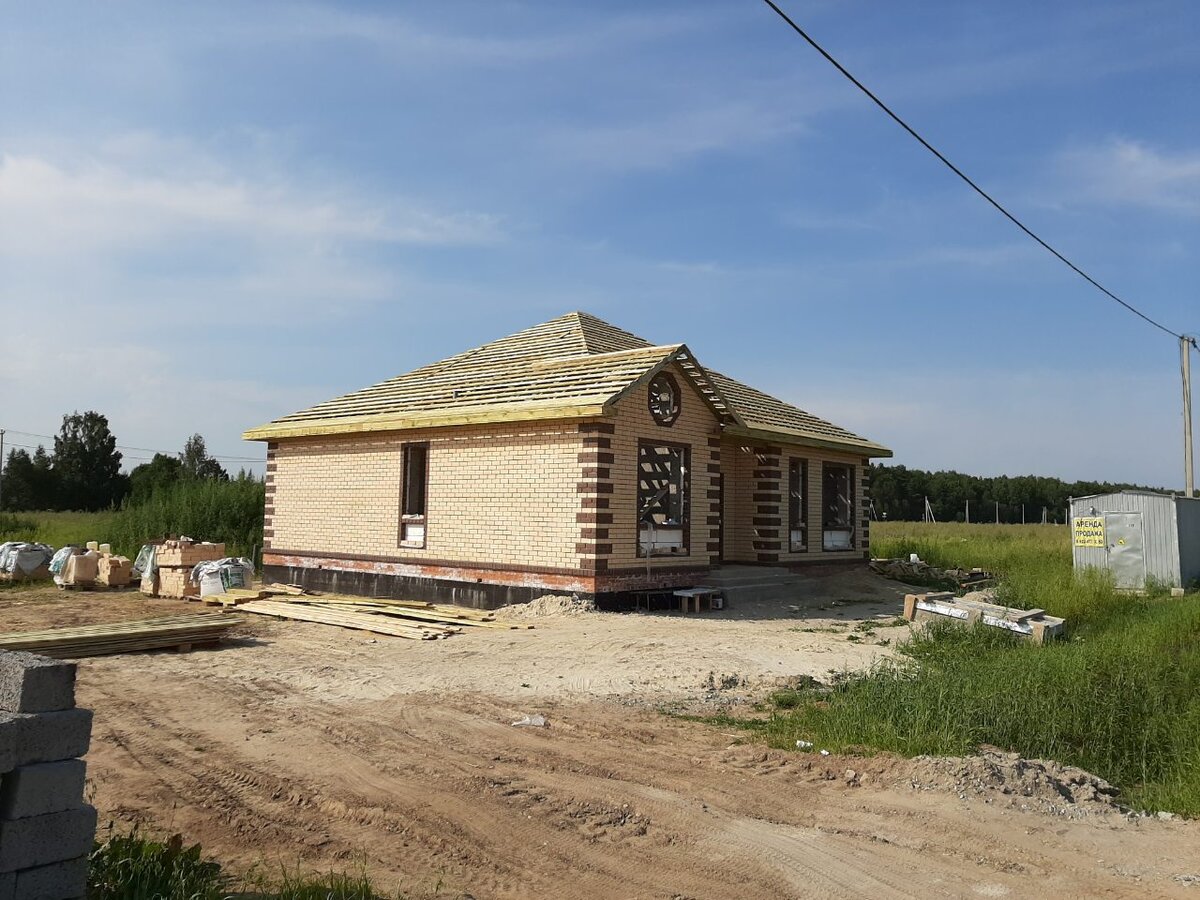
<point x="838" y="507"/>
<point x="797" y="514"/>
<point x="413" y="495"/>
<point x="663" y="486"/>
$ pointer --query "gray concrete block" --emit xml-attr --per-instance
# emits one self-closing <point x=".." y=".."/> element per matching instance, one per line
<point x="41" y="840"/>
<point x="8" y="884"/>
<point x="30" y="683"/>
<point x="51" y="736"/>
<point x="10" y="728"/>
<point x="42" y="788"/>
<point x="56" y="881"/>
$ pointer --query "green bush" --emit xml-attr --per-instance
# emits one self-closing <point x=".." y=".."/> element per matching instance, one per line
<point x="208" y="510"/>
<point x="131" y="867"/>
<point x="16" y="528"/>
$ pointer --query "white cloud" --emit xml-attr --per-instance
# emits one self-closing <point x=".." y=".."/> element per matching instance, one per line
<point x="408" y="42"/>
<point x="1131" y="173"/>
<point x="46" y="205"/>
<point x="659" y="140"/>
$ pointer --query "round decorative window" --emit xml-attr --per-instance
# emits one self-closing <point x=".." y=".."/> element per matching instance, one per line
<point x="664" y="399"/>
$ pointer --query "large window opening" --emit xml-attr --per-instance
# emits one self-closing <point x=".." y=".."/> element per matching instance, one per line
<point x="797" y="501"/>
<point x="412" y="495"/>
<point x="663" y="487"/>
<point x="837" y="507"/>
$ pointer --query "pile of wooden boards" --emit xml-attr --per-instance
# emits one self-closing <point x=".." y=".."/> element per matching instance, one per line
<point x="1031" y="623"/>
<point x="413" y="619"/>
<point x="182" y="632"/>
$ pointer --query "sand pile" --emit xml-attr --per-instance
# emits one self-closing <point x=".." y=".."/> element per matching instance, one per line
<point x="549" y="605"/>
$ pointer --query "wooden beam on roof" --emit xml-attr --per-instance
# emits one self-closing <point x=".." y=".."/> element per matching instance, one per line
<point x="372" y="424"/>
<point x="865" y="448"/>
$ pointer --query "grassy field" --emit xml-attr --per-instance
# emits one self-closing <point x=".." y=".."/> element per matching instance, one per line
<point x="56" y="528"/>
<point x="227" y="511"/>
<point x="1119" y="697"/>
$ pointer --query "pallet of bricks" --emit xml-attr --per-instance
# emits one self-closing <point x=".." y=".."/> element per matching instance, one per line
<point x="173" y="564"/>
<point x="89" y="568"/>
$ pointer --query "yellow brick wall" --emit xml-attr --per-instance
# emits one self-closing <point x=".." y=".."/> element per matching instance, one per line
<point x="738" y="464"/>
<point x="695" y="425"/>
<point x="496" y="494"/>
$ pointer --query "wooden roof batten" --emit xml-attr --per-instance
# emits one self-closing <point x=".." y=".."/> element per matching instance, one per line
<point x="574" y="366"/>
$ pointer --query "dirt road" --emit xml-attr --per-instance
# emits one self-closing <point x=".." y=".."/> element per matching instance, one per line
<point x="307" y="744"/>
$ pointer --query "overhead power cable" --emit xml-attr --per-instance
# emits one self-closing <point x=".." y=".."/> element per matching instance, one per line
<point x="51" y="437"/>
<point x="975" y="187"/>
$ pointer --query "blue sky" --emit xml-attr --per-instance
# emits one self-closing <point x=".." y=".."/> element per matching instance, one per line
<point x="214" y="214"/>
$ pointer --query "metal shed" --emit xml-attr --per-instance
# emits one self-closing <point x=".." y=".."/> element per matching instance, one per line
<point x="1138" y="535"/>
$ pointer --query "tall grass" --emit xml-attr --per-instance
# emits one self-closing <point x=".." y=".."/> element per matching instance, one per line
<point x="1120" y="697"/>
<point x="226" y="511"/>
<point x="134" y="867"/>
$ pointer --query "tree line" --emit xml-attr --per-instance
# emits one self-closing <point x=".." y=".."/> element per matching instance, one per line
<point x="83" y="470"/>
<point x="898" y="492"/>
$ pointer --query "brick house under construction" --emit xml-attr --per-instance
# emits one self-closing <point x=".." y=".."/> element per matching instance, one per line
<point x="572" y="457"/>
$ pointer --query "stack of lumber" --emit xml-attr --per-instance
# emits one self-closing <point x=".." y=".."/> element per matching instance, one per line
<point x="412" y="619"/>
<point x="1031" y="623"/>
<point x="123" y="637"/>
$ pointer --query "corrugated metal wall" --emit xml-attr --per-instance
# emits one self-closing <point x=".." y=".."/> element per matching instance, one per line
<point x="1158" y="526"/>
<point x="1189" y="540"/>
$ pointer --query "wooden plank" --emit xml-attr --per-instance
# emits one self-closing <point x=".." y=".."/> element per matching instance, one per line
<point x="342" y="618"/>
<point x="123" y="637"/>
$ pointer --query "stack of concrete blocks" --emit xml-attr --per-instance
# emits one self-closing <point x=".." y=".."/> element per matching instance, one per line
<point x="175" y="561"/>
<point x="46" y="830"/>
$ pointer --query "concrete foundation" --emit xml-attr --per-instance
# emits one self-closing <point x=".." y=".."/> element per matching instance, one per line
<point x="478" y="595"/>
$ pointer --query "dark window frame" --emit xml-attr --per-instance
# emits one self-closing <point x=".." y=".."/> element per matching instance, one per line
<point x="852" y="527"/>
<point x="685" y="500"/>
<point x="798" y="503"/>
<point x="406" y="453"/>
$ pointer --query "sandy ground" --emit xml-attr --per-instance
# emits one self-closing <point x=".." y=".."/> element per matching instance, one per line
<point x="321" y="747"/>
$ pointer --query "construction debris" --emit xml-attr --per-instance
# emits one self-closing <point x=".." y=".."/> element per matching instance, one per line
<point x="1031" y="623"/>
<point x="182" y="632"/>
<point x="915" y="569"/>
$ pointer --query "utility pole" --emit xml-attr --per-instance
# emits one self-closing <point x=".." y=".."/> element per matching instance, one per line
<point x="1" y="468"/>
<point x="1022" y="513"/>
<point x="997" y="512"/>
<point x="968" y="512"/>
<point x="1185" y="367"/>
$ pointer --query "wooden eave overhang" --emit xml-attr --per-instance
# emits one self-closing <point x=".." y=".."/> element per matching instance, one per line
<point x="869" y="449"/>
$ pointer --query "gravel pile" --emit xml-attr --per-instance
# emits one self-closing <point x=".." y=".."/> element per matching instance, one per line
<point x="1008" y="778"/>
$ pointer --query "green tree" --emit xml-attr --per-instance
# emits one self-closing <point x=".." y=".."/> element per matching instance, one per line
<point x="17" y="481"/>
<point x="197" y="464"/>
<point x="161" y="471"/>
<point x="87" y="463"/>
